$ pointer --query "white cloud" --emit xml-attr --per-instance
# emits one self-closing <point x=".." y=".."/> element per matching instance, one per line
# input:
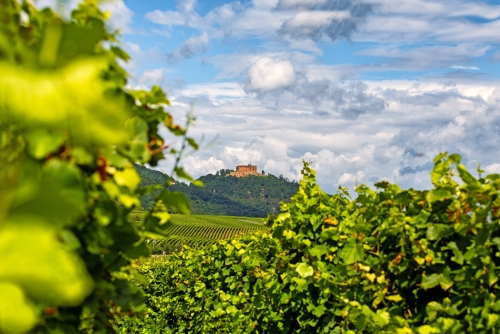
<point x="186" y="5"/>
<point x="121" y="16"/>
<point x="313" y="20"/>
<point x="300" y="3"/>
<point x="418" y="57"/>
<point x="152" y="77"/>
<point x="492" y="169"/>
<point x="189" y="48"/>
<point x="132" y="47"/>
<point x="197" y="166"/>
<point x="168" y="17"/>
<point x="63" y="8"/>
<point x="422" y="20"/>
<point x="265" y="3"/>
<point x="216" y="92"/>
<point x="452" y="8"/>
<point x="348" y="178"/>
<point x="316" y="19"/>
<point x="459" y="67"/>
<point x="257" y="22"/>
<point x="268" y="74"/>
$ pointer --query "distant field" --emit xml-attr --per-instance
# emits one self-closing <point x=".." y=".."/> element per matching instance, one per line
<point x="200" y="230"/>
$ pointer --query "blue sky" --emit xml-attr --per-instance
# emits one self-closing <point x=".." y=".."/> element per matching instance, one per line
<point x="365" y="90"/>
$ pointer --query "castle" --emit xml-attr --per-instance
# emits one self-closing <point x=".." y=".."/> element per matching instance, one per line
<point x="245" y="170"/>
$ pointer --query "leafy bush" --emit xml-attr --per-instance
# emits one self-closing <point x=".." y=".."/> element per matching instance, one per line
<point x="390" y="261"/>
<point x="69" y="134"/>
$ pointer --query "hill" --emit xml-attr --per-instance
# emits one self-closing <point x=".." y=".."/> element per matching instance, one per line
<point x="252" y="196"/>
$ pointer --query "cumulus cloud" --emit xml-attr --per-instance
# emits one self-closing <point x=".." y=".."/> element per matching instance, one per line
<point x="188" y="49"/>
<point x="492" y="169"/>
<point x="273" y="156"/>
<point x="198" y="166"/>
<point x="350" y="178"/>
<point x="275" y="79"/>
<point x="268" y="74"/>
<point x="471" y="133"/>
<point x="349" y="100"/>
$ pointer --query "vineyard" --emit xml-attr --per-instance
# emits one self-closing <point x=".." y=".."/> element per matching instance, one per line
<point x="199" y="230"/>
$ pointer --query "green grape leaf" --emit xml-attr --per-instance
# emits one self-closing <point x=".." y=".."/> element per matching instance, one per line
<point x="42" y="142"/>
<point x="352" y="252"/>
<point x="33" y="257"/>
<point x="59" y="187"/>
<point x="138" y="130"/>
<point x="128" y="178"/>
<point x="430" y="281"/>
<point x="458" y="255"/>
<point x="198" y="183"/>
<point x="17" y="314"/>
<point x="180" y="172"/>
<point x="304" y="270"/>
<point x="177" y="201"/>
<point x="318" y="250"/>
<point x="192" y="143"/>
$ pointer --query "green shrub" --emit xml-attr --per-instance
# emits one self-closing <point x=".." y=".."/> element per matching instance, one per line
<point x="390" y="261"/>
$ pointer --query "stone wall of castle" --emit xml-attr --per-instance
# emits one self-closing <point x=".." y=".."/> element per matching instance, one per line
<point x="245" y="170"/>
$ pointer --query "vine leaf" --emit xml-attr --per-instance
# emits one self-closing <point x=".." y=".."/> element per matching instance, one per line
<point x="304" y="270"/>
<point x="177" y="201"/>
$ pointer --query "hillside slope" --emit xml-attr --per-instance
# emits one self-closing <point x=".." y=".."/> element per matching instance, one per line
<point x="251" y="196"/>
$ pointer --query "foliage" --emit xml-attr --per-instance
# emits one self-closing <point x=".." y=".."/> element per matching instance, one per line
<point x="203" y="292"/>
<point x="389" y="261"/>
<point x="252" y="196"/>
<point x="69" y="134"/>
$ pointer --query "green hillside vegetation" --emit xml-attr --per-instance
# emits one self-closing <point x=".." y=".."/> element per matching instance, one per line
<point x="198" y="231"/>
<point x="252" y="196"/>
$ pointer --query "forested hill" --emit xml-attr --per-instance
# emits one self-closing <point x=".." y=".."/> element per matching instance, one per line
<point x="252" y="196"/>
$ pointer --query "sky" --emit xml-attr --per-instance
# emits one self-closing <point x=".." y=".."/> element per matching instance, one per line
<point x="364" y="90"/>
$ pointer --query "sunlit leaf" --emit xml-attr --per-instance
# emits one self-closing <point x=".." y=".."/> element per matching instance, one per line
<point x="177" y="201"/>
<point x="33" y="258"/>
<point x="17" y="313"/>
<point x="304" y="270"/>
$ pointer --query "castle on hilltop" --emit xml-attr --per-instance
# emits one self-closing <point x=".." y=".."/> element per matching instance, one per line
<point x="245" y="170"/>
